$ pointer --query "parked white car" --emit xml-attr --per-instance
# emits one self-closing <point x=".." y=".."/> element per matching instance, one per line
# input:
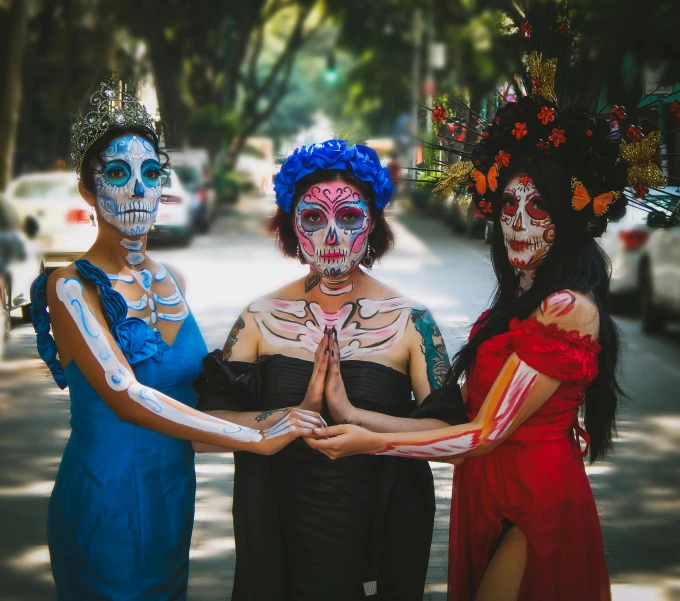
<point x="174" y="221"/>
<point x="660" y="272"/>
<point x="625" y="243"/>
<point x="192" y="165"/>
<point x="19" y="266"/>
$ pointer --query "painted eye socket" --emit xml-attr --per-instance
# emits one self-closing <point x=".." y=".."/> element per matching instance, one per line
<point x="510" y="204"/>
<point x="536" y="209"/>
<point x="151" y="173"/>
<point x="349" y="217"/>
<point x="117" y="173"/>
<point x="312" y="220"/>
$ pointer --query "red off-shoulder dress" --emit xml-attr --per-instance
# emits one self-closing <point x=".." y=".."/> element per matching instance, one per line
<point x="536" y="479"/>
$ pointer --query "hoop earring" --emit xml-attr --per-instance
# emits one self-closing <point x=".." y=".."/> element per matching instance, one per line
<point x="368" y="259"/>
<point x="297" y="252"/>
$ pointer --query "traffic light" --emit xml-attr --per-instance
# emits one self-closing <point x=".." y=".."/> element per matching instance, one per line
<point x="331" y="75"/>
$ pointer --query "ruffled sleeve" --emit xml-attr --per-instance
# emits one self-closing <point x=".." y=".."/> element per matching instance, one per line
<point x="479" y="323"/>
<point x="557" y="353"/>
<point x="47" y="349"/>
<point x="445" y="404"/>
<point x="113" y="302"/>
<point x="229" y="385"/>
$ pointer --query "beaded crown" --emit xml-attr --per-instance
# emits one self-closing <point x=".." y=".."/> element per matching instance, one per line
<point x="111" y="105"/>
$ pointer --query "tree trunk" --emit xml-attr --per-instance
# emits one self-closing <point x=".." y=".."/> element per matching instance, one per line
<point x="14" y="39"/>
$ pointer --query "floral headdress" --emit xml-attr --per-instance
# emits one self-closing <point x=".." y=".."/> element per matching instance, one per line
<point x="362" y="161"/>
<point x="608" y="162"/>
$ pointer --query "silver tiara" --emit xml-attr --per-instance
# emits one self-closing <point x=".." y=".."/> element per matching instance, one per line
<point x="110" y="106"/>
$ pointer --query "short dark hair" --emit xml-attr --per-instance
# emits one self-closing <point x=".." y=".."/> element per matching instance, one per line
<point x="381" y="238"/>
<point x="91" y="159"/>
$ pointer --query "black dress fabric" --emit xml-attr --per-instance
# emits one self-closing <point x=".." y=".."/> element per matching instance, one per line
<point x="308" y="528"/>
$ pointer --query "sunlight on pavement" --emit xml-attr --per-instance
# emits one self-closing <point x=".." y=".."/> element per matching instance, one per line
<point x="213" y="547"/>
<point x="34" y="489"/>
<point x="646" y="592"/>
<point x="35" y="560"/>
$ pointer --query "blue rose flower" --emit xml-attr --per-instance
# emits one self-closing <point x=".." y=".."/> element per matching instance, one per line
<point x="333" y="154"/>
<point x="137" y="340"/>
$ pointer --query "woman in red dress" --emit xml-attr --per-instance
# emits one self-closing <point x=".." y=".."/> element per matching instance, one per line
<point x="524" y="524"/>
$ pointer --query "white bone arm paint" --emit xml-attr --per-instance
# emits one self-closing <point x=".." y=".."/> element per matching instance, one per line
<point x="119" y="378"/>
<point x="503" y="410"/>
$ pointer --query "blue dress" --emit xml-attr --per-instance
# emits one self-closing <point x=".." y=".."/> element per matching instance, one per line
<point x="121" y="513"/>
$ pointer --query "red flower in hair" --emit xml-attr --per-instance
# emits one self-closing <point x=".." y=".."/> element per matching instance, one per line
<point x="471" y="184"/>
<point x="477" y="162"/>
<point x="485" y="207"/>
<point x="439" y="114"/>
<point x="525" y="28"/>
<point x="640" y="191"/>
<point x="520" y="130"/>
<point x="536" y="85"/>
<point x="557" y="137"/>
<point x="485" y="133"/>
<point x="503" y="158"/>
<point x="564" y="27"/>
<point x="618" y="113"/>
<point x="497" y="119"/>
<point x="589" y="132"/>
<point x="546" y="115"/>
<point x="543" y="146"/>
<point x="675" y="109"/>
<point x="634" y="133"/>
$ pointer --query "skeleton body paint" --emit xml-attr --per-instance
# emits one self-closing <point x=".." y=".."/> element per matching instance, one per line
<point x="128" y="186"/>
<point x="508" y="394"/>
<point x="120" y="379"/>
<point x="134" y="257"/>
<point x="332" y="223"/>
<point x="274" y="318"/>
<point x="527" y="227"/>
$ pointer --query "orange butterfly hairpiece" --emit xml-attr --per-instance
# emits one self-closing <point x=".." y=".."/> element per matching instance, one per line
<point x="481" y="180"/>
<point x="581" y="198"/>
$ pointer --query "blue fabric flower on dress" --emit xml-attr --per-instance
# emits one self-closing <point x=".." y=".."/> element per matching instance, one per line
<point x="137" y="340"/>
<point x="362" y="161"/>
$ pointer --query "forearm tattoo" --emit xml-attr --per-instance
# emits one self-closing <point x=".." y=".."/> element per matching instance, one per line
<point x="508" y="394"/>
<point x="349" y="422"/>
<point x="260" y="417"/>
<point x="433" y="348"/>
<point x="232" y="339"/>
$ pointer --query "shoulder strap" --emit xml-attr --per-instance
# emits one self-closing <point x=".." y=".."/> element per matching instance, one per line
<point x="47" y="349"/>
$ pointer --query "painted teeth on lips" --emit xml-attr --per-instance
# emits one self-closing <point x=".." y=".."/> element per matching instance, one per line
<point x="520" y="245"/>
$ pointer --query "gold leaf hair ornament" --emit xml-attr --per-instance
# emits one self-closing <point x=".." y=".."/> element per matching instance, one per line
<point x="454" y="175"/>
<point x="642" y="171"/>
<point x="542" y="76"/>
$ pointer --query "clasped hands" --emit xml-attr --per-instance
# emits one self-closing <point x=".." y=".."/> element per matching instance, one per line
<point x="326" y="387"/>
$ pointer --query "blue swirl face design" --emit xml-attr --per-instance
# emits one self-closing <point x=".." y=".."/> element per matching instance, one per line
<point x="129" y="185"/>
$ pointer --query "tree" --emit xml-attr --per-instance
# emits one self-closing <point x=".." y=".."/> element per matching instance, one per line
<point x="13" y="27"/>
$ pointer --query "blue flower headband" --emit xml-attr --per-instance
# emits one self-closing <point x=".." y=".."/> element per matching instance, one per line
<point x="333" y="154"/>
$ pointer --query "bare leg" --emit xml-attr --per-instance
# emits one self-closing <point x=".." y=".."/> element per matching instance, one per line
<point x="503" y="576"/>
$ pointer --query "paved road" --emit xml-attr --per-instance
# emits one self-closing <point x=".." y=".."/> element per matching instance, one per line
<point x="637" y="490"/>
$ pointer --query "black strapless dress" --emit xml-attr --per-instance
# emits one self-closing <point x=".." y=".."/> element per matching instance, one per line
<point x="308" y="528"/>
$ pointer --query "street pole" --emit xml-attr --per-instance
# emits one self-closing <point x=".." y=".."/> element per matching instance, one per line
<point x="415" y="83"/>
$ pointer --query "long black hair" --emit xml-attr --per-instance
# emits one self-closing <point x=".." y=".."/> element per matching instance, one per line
<point x="574" y="262"/>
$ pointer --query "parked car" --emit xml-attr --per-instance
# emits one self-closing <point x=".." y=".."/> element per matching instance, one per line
<point x="660" y="271"/>
<point x="192" y="166"/>
<point x="54" y="216"/>
<point x="19" y="266"/>
<point x="464" y="215"/>
<point x="174" y="221"/>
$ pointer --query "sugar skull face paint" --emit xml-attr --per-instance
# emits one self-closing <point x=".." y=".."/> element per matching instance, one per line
<point x="128" y="186"/>
<point x="527" y="227"/>
<point x="332" y="223"/>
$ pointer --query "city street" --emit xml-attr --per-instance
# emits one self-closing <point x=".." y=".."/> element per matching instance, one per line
<point x="637" y="489"/>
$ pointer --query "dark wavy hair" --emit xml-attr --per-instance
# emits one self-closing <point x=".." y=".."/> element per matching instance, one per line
<point x="281" y="225"/>
<point x="92" y="161"/>
<point x="575" y="262"/>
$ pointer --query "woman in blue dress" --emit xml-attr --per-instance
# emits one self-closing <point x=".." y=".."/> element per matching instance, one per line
<point x="126" y="344"/>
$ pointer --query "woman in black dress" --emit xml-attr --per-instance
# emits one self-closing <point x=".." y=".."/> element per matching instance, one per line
<point x="308" y="528"/>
